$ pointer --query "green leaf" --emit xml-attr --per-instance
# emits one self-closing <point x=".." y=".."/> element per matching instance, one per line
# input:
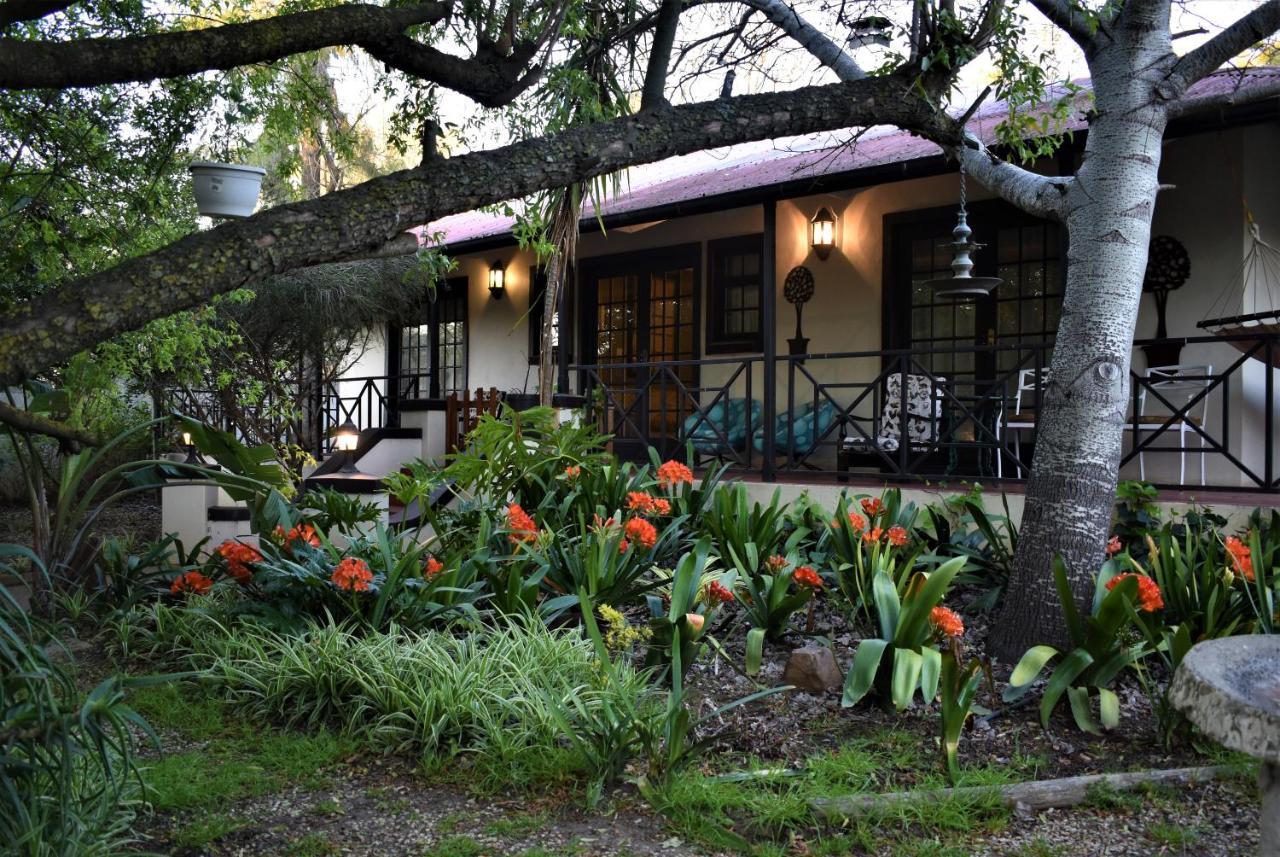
<point x="1075" y="627"/>
<point x="1027" y="670"/>
<point x="1079" y="698"/>
<point x="930" y="672"/>
<point x="1108" y="708"/>
<point x="755" y="650"/>
<point x="862" y="672"/>
<point x="885" y="594"/>
<point x="1066" y="673"/>
<point x="907" y="665"/>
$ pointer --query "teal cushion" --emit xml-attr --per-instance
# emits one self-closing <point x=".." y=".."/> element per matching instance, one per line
<point x="723" y="425"/>
<point x="804" y="432"/>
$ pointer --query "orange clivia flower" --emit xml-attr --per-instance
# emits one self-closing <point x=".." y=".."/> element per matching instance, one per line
<point x="1241" y="558"/>
<point x="238" y="556"/>
<point x="573" y="471"/>
<point x="639" y="501"/>
<point x="661" y="506"/>
<point x="523" y="528"/>
<point x="898" y="536"/>
<point x="946" y="621"/>
<point x="640" y="530"/>
<point x="872" y="506"/>
<point x="856" y="521"/>
<point x="673" y="473"/>
<point x="353" y="575"/>
<point x="1114" y="546"/>
<point x="695" y="620"/>
<point x="806" y="576"/>
<point x="433" y="567"/>
<point x="192" y="583"/>
<point x="776" y="563"/>
<point x="1150" y="599"/>
<point x="872" y="535"/>
<point x="718" y="593"/>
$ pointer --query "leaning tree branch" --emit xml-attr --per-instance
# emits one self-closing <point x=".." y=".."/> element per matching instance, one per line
<point x="1244" y="33"/>
<point x="82" y="313"/>
<point x="787" y="19"/>
<point x="1072" y="19"/>
<point x="1040" y="195"/>
<point x="489" y="78"/>
<point x="664" y="37"/>
<point x="33" y="423"/>
<point x="17" y="11"/>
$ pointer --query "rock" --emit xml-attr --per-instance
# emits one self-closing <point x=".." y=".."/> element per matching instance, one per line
<point x="813" y="669"/>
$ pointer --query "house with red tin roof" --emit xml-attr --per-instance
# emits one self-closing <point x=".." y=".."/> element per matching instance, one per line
<point x="789" y="310"/>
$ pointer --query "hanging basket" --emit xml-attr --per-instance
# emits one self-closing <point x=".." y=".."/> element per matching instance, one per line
<point x="226" y="190"/>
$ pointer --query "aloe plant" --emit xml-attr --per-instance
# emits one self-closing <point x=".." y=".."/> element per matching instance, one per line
<point x="1098" y="653"/>
<point x="902" y="659"/>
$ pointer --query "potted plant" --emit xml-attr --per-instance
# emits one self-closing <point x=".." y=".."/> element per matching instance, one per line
<point x="226" y="190"/>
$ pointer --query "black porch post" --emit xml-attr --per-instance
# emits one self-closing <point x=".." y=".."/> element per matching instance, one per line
<point x="769" y="326"/>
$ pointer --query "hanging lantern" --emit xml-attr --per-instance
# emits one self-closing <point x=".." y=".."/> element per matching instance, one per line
<point x="962" y="285"/>
<point x="822" y="232"/>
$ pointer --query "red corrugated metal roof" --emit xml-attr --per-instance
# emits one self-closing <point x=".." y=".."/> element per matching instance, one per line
<point x="755" y="165"/>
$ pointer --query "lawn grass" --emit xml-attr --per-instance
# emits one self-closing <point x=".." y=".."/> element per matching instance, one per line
<point x="235" y="759"/>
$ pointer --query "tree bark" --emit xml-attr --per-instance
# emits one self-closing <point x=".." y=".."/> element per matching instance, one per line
<point x="82" y="313"/>
<point x="1082" y="412"/>
<point x="564" y="238"/>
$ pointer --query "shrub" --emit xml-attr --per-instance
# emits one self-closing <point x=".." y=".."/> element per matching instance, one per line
<point x="873" y="539"/>
<point x="987" y="541"/>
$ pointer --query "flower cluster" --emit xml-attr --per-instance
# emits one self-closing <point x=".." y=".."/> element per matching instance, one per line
<point x="1241" y="558"/>
<point x="776" y="564"/>
<point x="352" y="575"/>
<point x="873" y="506"/>
<point x="647" y="504"/>
<point x="573" y="471"/>
<point x="717" y="593"/>
<point x="238" y="556"/>
<point x="523" y="528"/>
<point x="1114" y="546"/>
<point x="620" y="635"/>
<point x="304" y="533"/>
<point x="432" y="567"/>
<point x="640" y="531"/>
<point x="673" y="473"/>
<point x="1150" y="598"/>
<point x="947" y="621"/>
<point x="192" y="583"/>
<point x="806" y="576"/>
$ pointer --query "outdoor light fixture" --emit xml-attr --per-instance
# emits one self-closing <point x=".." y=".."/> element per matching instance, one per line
<point x="189" y="443"/>
<point x="962" y="285"/>
<point x="345" y="440"/>
<point x="822" y="232"/>
<point x="496" y="277"/>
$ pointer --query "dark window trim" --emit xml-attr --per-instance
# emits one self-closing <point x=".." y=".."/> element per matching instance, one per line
<point x="717" y="340"/>
<point x="537" y="287"/>
<point x="432" y="318"/>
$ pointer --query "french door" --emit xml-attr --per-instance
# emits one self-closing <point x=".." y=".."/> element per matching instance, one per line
<point x="642" y="314"/>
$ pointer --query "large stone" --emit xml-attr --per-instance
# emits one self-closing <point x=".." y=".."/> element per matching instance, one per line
<point x="1230" y="688"/>
<point x="813" y="669"/>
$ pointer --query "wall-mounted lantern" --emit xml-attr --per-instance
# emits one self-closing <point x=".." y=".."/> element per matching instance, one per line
<point x="822" y="232"/>
<point x="497" y="277"/>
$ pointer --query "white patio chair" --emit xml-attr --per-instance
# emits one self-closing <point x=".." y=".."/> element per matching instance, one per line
<point x="1178" y="384"/>
<point x="1025" y="401"/>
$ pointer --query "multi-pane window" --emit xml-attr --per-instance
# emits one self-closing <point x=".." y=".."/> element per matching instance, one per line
<point x="939" y="324"/>
<point x="432" y="354"/>
<point x="1029" y="297"/>
<point x="734" y="295"/>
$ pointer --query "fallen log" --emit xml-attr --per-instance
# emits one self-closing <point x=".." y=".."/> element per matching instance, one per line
<point x="1035" y="795"/>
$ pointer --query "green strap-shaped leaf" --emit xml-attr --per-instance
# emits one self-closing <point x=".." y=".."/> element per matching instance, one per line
<point x="755" y="650"/>
<point x="862" y="673"/>
<point x="885" y="594"/>
<point x="929" y="672"/>
<point x="1079" y="697"/>
<point x="1066" y="673"/>
<point x="1075" y="628"/>
<point x="913" y="626"/>
<point x="1027" y="670"/>
<point x="1108" y="708"/>
<point x="906" y="677"/>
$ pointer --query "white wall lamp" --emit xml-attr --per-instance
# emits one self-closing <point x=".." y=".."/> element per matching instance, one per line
<point x="822" y="232"/>
<point x="497" y="278"/>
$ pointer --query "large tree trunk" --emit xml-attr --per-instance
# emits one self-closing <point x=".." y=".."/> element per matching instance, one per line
<point x="1081" y="418"/>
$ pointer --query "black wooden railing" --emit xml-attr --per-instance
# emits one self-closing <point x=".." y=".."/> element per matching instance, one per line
<point x="961" y="413"/>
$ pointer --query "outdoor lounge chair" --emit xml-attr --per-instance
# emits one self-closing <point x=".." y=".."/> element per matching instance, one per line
<point x="803" y="435"/>
<point x="723" y="429"/>
<point x="924" y="418"/>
